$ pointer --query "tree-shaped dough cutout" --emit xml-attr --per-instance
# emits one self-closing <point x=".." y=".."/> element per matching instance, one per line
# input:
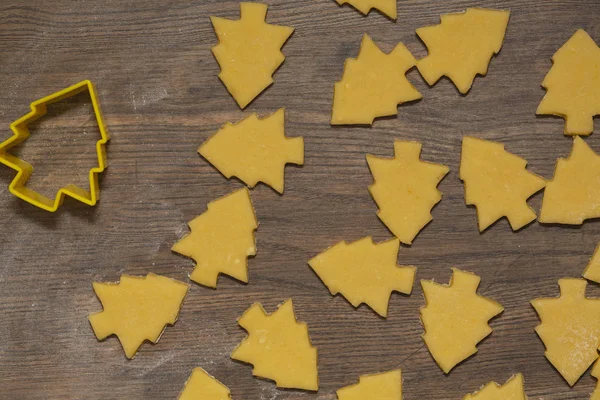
<point x="455" y="318"/>
<point x="387" y="7"/>
<point x="202" y="386"/>
<point x="405" y="189"/>
<point x="383" y="386"/>
<point x="592" y="271"/>
<point x="254" y="150"/>
<point x="373" y="85"/>
<point x="278" y="347"/>
<point x="249" y="51"/>
<point x="462" y="45"/>
<point x="364" y="272"/>
<point x="497" y="183"/>
<point x="513" y="389"/>
<point x="572" y="195"/>
<point x="569" y="328"/>
<point x="137" y="309"/>
<point x="573" y="84"/>
<point x="221" y="239"/>
<point x="596" y="374"/>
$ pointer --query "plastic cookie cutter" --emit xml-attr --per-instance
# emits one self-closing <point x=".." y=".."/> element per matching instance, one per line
<point x="24" y="170"/>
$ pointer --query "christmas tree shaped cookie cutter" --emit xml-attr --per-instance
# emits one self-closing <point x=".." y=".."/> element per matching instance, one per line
<point x="24" y="169"/>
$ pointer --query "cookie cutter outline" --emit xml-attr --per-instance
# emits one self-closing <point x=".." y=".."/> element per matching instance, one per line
<point x="24" y="169"/>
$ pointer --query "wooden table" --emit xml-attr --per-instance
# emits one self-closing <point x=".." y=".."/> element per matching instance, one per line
<point x="158" y="87"/>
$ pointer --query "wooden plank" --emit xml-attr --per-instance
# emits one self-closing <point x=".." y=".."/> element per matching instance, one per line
<point x="161" y="98"/>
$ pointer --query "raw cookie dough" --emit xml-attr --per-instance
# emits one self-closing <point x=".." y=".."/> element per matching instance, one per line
<point x="137" y="309"/>
<point x="373" y="85"/>
<point x="569" y="328"/>
<point x="202" y="386"/>
<point x="249" y="51"/>
<point x="462" y="45"/>
<point x="596" y="374"/>
<point x="387" y="7"/>
<point x="405" y="189"/>
<point x="279" y="347"/>
<point x="573" y="84"/>
<point x="513" y="389"/>
<point x="364" y="272"/>
<point x="573" y="195"/>
<point x="384" y="386"/>
<point x="455" y="318"/>
<point x="497" y="183"/>
<point x="221" y="239"/>
<point x="254" y="150"/>
<point x="592" y="271"/>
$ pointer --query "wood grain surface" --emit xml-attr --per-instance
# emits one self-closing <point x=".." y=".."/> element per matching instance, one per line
<point x="158" y="87"/>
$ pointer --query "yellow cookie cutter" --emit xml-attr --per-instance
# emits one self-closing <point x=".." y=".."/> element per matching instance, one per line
<point x="24" y="169"/>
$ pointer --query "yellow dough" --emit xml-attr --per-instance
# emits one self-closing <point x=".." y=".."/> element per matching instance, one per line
<point x="592" y="271"/>
<point x="513" y="389"/>
<point x="455" y="318"/>
<point x="202" y="386"/>
<point x="573" y="84"/>
<point x="249" y="51"/>
<point x="373" y="85"/>
<point x="137" y="309"/>
<point x="279" y="347"/>
<point x="596" y="374"/>
<point x="364" y="272"/>
<point x="569" y="328"/>
<point x="387" y="7"/>
<point x="462" y="45"/>
<point x="384" y="386"/>
<point x="405" y="189"/>
<point x="573" y="195"/>
<point x="497" y="183"/>
<point x="254" y="150"/>
<point x="221" y="239"/>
